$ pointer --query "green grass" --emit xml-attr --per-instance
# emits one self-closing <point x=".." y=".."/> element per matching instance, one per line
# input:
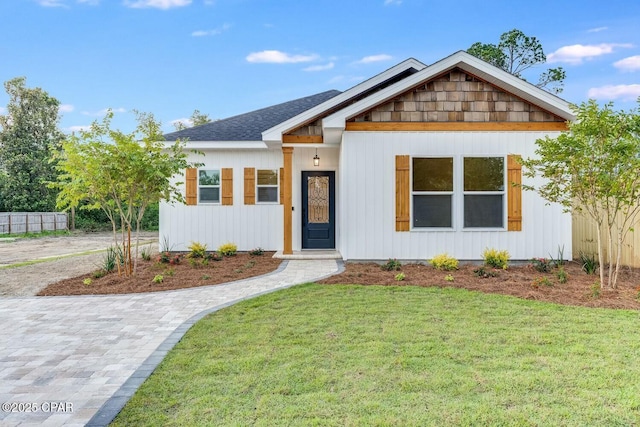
<point x="30" y="235"/>
<point x="389" y="356"/>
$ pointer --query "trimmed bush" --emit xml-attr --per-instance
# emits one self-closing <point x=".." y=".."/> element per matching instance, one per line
<point x="444" y="262"/>
<point x="495" y="258"/>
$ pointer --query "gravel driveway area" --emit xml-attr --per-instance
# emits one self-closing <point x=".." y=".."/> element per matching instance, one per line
<point x="57" y="258"/>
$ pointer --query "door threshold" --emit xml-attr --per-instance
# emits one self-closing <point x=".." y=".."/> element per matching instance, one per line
<point x="310" y="254"/>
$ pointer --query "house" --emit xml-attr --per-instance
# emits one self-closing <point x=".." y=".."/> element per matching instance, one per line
<point x="416" y="161"/>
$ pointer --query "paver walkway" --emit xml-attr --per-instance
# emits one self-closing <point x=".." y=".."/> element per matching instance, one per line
<point x="78" y="352"/>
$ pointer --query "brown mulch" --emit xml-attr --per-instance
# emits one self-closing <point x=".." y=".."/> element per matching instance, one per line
<point x="178" y="276"/>
<point x="517" y="281"/>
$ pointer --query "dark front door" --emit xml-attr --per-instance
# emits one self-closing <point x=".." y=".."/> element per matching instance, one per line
<point x="318" y="210"/>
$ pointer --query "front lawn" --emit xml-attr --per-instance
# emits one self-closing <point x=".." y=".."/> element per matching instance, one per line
<point x="372" y="355"/>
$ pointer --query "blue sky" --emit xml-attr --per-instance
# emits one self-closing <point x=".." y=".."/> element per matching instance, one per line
<point x="226" y="57"/>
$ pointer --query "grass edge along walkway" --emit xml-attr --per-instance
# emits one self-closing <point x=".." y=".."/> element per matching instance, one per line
<point x="370" y="355"/>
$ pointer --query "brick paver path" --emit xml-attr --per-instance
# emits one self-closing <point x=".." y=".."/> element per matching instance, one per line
<point x="77" y="353"/>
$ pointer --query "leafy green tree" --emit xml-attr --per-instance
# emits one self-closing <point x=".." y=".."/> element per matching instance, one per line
<point x="593" y="169"/>
<point x="122" y="174"/>
<point x="29" y="135"/>
<point x="196" y="119"/>
<point x="517" y="52"/>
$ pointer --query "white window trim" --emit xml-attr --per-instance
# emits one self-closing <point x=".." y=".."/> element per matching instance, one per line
<point x="457" y="195"/>
<point x="219" y="187"/>
<point x="277" y="186"/>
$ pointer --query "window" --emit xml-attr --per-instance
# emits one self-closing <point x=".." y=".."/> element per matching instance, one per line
<point x="208" y="186"/>
<point x="484" y="192"/>
<point x="468" y="191"/>
<point x="267" y="186"/>
<point x="433" y="192"/>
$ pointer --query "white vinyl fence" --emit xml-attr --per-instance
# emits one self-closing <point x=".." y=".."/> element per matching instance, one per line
<point x="32" y="222"/>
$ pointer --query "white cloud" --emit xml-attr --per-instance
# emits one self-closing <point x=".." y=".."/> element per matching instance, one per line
<point x="623" y="92"/>
<point x="388" y="2"/>
<point x="576" y="53"/>
<point x="89" y="2"/>
<point x="325" y="67"/>
<point x="631" y="63"/>
<point x="374" y="58"/>
<point x="214" y="32"/>
<point x="78" y="128"/>
<point x="104" y="112"/>
<point x="51" y="3"/>
<point x="185" y="121"/>
<point x="157" y="4"/>
<point x="277" y="57"/>
<point x="597" y="29"/>
<point x="65" y="108"/>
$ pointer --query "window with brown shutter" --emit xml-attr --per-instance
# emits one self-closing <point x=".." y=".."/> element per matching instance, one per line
<point x="249" y="186"/>
<point x="227" y="186"/>
<point x="514" y="193"/>
<point x="402" y="193"/>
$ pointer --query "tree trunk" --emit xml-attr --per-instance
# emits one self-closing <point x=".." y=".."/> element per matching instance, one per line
<point x="600" y="256"/>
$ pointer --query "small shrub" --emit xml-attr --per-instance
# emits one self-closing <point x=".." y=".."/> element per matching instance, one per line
<point x="449" y="278"/>
<point x="250" y="264"/>
<point x="111" y="258"/>
<point x="562" y="275"/>
<point x="595" y="290"/>
<point x="197" y="250"/>
<point x="539" y="281"/>
<point x="392" y="265"/>
<point x="87" y="281"/>
<point x="158" y="278"/>
<point x="559" y="260"/>
<point x="543" y="265"/>
<point x="98" y="274"/>
<point x="228" y="249"/>
<point x="169" y="272"/>
<point x="484" y="273"/>
<point x="193" y="262"/>
<point x="174" y="260"/>
<point x="256" y="252"/>
<point x="589" y="263"/>
<point x="164" y="257"/>
<point x="400" y="277"/>
<point x="495" y="258"/>
<point x="444" y="262"/>
<point x="205" y="277"/>
<point x="145" y="253"/>
<point x="213" y="256"/>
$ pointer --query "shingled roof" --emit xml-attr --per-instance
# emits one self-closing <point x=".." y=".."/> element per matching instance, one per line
<point x="249" y="126"/>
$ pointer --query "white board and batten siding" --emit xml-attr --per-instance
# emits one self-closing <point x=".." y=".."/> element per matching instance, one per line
<point x="248" y="226"/>
<point x="367" y="199"/>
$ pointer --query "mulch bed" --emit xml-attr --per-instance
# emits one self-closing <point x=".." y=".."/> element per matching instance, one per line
<point x="517" y="281"/>
<point x="178" y="276"/>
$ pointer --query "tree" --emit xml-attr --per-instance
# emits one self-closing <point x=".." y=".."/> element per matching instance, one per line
<point x="122" y="174"/>
<point x="29" y="135"/>
<point x="196" y="119"/>
<point x="593" y="168"/>
<point x="516" y="53"/>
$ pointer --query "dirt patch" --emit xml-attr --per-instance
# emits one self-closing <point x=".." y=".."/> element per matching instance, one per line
<point x="521" y="281"/>
<point x="184" y="274"/>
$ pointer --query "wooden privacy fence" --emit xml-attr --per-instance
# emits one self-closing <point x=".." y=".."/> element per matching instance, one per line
<point x="32" y="222"/>
<point x="585" y="240"/>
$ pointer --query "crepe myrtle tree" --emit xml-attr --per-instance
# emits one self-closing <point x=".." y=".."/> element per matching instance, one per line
<point x="516" y="53"/>
<point x="593" y="168"/>
<point x="122" y="174"/>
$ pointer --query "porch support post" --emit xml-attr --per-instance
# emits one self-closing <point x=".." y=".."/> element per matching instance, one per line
<point x="287" y="153"/>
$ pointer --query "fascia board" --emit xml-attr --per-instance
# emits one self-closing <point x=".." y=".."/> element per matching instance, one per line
<point x="468" y="63"/>
<point x="274" y="134"/>
<point x="221" y="145"/>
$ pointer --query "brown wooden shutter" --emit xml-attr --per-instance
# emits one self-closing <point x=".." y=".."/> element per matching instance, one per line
<point x="514" y="193"/>
<point x="402" y="193"/>
<point x="227" y="186"/>
<point x="249" y="186"/>
<point x="282" y="186"/>
<point x="191" y="178"/>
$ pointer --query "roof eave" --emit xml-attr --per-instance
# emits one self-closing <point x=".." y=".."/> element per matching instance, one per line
<point x="221" y="145"/>
<point x="275" y="133"/>
<point x="467" y="62"/>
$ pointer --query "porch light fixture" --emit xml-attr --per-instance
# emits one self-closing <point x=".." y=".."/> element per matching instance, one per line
<point x="316" y="159"/>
